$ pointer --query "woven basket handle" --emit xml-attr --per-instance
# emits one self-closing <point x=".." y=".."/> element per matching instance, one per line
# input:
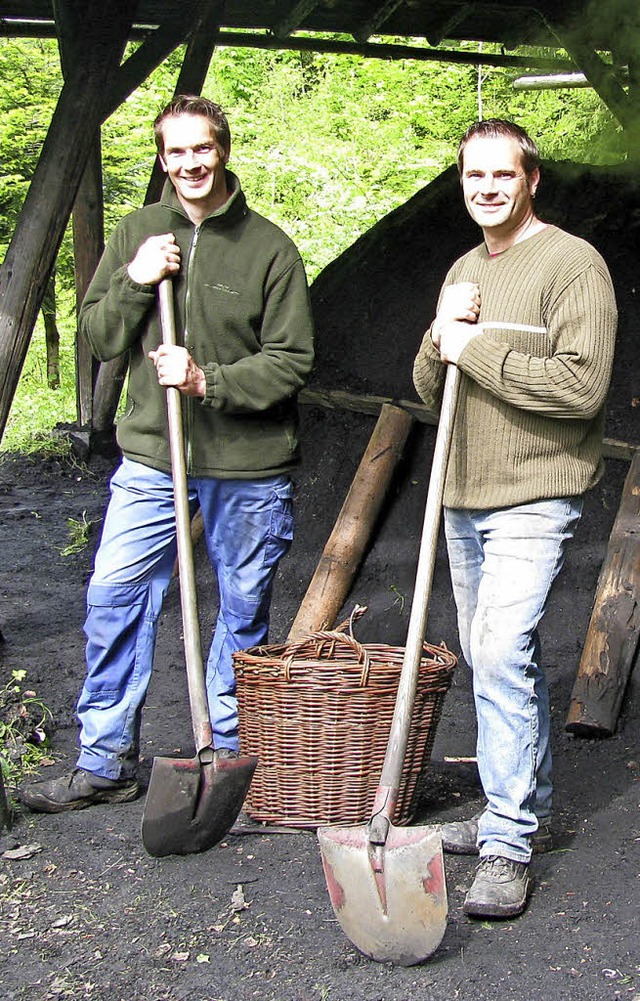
<point x="356" y="615"/>
<point x="317" y="640"/>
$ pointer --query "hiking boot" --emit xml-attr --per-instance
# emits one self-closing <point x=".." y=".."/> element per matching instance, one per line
<point x="500" y="889"/>
<point x="76" y="790"/>
<point x="460" y="837"/>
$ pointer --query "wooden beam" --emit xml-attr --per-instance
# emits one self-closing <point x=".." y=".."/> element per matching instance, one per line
<point x="381" y="14"/>
<point x="605" y="80"/>
<point x="47" y="207"/>
<point x="158" y="44"/>
<point x="365" y="403"/>
<point x="88" y="209"/>
<point x="614" y="629"/>
<point x="193" y="73"/>
<point x="379" y="50"/>
<point x="88" y="244"/>
<point x="294" y="17"/>
<point x="241" y="39"/>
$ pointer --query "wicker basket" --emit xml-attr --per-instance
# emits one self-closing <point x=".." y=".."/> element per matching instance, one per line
<point x="318" y="715"/>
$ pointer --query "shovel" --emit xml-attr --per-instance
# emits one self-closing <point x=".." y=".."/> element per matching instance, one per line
<point x="191" y="803"/>
<point x="387" y="884"/>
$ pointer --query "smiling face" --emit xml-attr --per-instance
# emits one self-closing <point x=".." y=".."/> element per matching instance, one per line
<point x="195" y="163"/>
<point x="497" y="192"/>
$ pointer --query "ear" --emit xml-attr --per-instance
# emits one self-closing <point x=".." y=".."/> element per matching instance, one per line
<point x="163" y="163"/>
<point x="534" y="181"/>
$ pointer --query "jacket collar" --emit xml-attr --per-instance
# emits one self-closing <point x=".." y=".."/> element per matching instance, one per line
<point x="228" y="214"/>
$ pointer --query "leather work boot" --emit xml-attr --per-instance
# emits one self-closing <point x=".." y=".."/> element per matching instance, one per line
<point x="460" y="837"/>
<point x="499" y="890"/>
<point x="76" y="790"/>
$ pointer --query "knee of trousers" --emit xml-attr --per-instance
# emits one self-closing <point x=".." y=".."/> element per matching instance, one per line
<point x="120" y="629"/>
<point x="146" y="596"/>
<point x="499" y="656"/>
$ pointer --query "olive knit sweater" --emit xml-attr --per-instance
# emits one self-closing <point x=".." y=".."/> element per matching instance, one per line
<point x="534" y="382"/>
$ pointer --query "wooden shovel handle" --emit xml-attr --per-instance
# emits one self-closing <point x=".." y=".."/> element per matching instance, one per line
<point x="396" y="748"/>
<point x="201" y="723"/>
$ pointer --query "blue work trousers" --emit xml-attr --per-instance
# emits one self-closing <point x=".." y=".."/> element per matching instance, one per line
<point x="248" y="526"/>
<point x="503" y="563"/>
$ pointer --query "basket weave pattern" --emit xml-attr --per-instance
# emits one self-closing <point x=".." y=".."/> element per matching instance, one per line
<point x="318" y="714"/>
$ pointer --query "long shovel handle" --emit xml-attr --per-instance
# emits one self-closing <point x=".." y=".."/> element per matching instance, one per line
<point x="201" y="723"/>
<point x="396" y="748"/>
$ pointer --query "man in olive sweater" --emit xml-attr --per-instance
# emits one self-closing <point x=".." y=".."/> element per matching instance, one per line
<point x="529" y="317"/>
<point x="246" y="348"/>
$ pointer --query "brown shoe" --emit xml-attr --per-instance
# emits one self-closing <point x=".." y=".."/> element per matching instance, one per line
<point x="76" y="790"/>
<point x="500" y="889"/>
<point x="460" y="837"/>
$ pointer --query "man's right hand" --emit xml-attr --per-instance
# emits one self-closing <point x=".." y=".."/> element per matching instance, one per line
<point x="157" y="258"/>
<point x="460" y="302"/>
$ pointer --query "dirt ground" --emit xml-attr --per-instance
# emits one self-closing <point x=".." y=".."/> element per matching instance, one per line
<point x="86" y="913"/>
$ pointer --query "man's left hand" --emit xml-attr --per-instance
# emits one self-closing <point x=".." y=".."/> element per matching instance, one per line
<point x="175" y="367"/>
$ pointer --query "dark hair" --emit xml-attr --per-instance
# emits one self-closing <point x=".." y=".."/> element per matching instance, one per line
<point x="190" y="104"/>
<point x="495" y="128"/>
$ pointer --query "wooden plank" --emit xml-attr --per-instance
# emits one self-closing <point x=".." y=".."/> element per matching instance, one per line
<point x="614" y="629"/>
<point x="338" y="399"/>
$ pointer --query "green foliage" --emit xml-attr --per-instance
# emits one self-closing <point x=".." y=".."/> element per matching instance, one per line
<point x="325" y="146"/>
<point x="78" y="535"/>
<point x="36" y="409"/>
<point x="24" y="741"/>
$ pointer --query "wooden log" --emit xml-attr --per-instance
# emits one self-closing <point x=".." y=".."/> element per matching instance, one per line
<point x="345" y="547"/>
<point x="614" y="629"/>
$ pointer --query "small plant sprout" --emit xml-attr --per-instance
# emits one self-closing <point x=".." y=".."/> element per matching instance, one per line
<point x="24" y="740"/>
<point x="399" y="597"/>
<point x="78" y="535"/>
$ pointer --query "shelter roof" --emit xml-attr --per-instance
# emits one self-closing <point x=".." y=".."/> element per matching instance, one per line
<point x="509" y="23"/>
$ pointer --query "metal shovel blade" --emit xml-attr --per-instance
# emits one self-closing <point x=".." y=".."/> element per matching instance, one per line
<point x="191" y="805"/>
<point x="391" y="899"/>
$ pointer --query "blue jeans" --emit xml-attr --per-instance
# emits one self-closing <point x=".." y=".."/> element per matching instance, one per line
<point x="503" y="563"/>
<point x="248" y="526"/>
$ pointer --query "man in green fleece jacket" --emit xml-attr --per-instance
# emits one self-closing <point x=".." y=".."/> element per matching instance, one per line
<point x="246" y="348"/>
<point x="529" y="317"/>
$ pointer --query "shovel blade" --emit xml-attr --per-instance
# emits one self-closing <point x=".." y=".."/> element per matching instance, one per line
<point x="390" y="900"/>
<point x="191" y="805"/>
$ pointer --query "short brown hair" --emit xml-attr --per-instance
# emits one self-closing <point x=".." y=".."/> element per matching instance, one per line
<point x="494" y="128"/>
<point x="191" y="104"/>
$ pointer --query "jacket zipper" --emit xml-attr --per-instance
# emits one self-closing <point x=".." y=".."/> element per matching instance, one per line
<point x="188" y="409"/>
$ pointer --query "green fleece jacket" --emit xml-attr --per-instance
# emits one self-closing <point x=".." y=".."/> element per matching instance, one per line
<point x="534" y="382"/>
<point x="242" y="310"/>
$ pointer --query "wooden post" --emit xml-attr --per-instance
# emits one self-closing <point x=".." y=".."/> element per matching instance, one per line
<point x="47" y="207"/>
<point x="614" y="629"/>
<point x="88" y="244"/>
<point x="345" y="547"/>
